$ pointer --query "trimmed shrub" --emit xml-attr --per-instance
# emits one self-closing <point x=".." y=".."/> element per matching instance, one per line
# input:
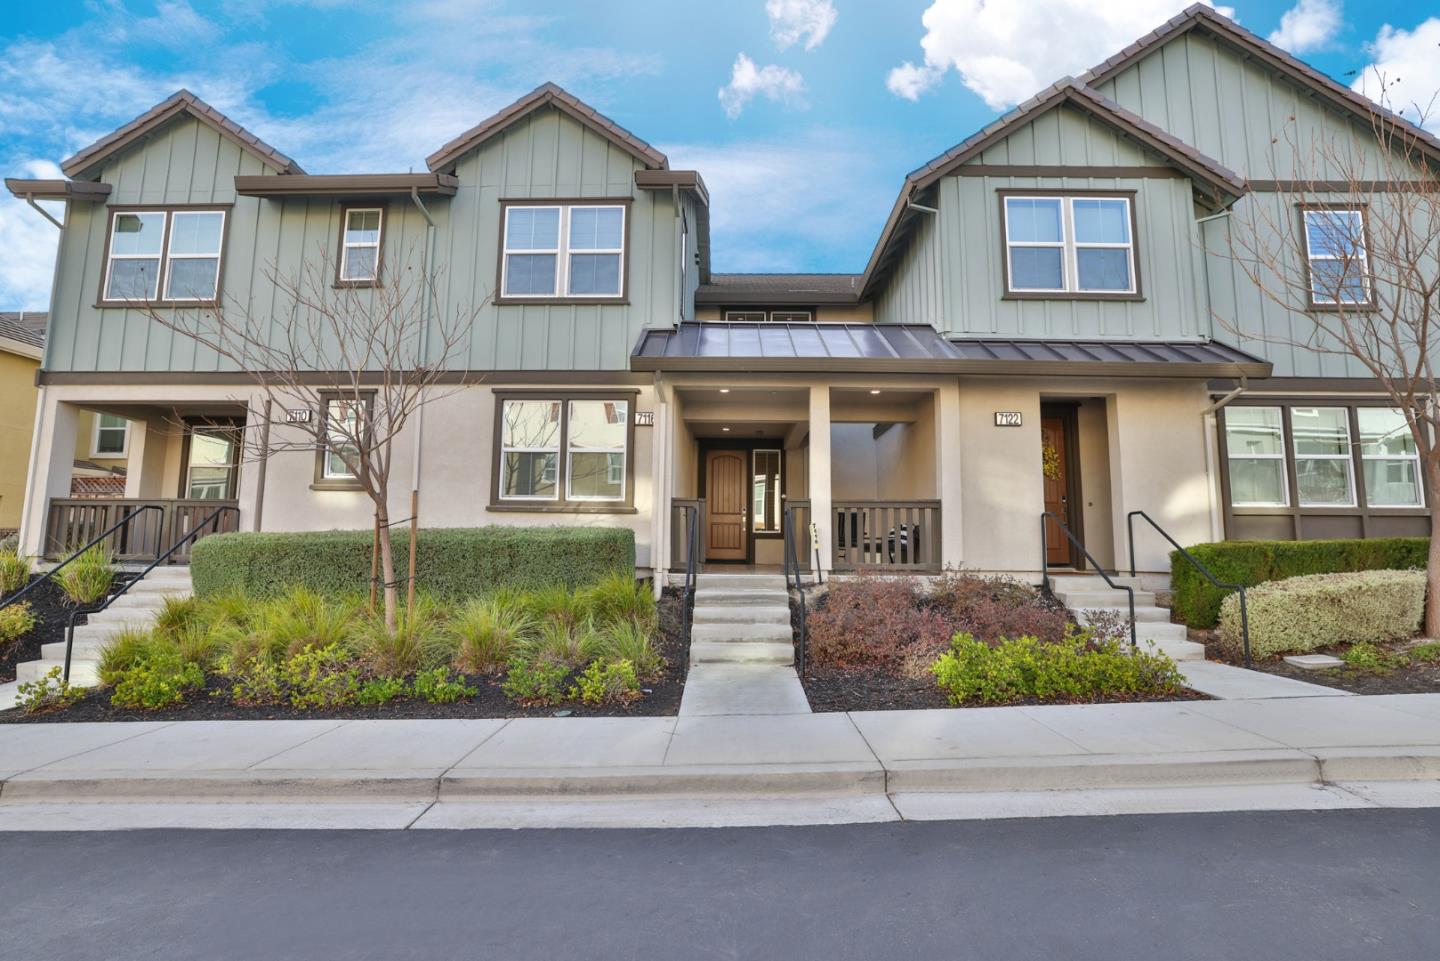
<point x="157" y="680"/>
<point x="874" y="621"/>
<point x="451" y="563"/>
<point x="1301" y="614"/>
<point x="1197" y="601"/>
<point x="1074" y="669"/>
<point x="990" y="608"/>
<point x="16" y="621"/>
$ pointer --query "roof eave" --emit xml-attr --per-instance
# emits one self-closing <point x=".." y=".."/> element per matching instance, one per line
<point x="1009" y="368"/>
<point x="344" y="185"/>
<point x="77" y="190"/>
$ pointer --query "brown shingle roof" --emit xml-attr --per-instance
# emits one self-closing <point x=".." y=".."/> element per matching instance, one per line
<point x="779" y="289"/>
<point x="551" y="95"/>
<point x="180" y="102"/>
<point x="26" y="326"/>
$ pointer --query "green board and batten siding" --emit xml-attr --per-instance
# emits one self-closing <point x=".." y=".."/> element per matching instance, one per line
<point x="546" y="154"/>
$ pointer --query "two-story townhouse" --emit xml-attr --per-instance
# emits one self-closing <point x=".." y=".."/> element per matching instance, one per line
<point x="1035" y="331"/>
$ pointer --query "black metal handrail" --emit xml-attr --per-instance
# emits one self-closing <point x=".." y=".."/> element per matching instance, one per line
<point x="692" y="535"/>
<point x="792" y="565"/>
<point x="194" y="533"/>
<point x="104" y="534"/>
<point x="1045" y="566"/>
<point x="1195" y="563"/>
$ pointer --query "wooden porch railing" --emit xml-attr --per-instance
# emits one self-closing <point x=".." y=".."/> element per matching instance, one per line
<point x="886" y="536"/>
<point x="72" y="521"/>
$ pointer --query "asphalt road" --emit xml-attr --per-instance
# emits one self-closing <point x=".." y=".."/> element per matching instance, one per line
<point x="1258" y="887"/>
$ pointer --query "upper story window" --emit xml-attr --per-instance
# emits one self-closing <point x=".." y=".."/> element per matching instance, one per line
<point x="360" y="246"/>
<point x="1069" y="246"/>
<point x="563" y="251"/>
<point x="112" y="436"/>
<point x="773" y="316"/>
<point x="1336" y="257"/>
<point x="163" y="256"/>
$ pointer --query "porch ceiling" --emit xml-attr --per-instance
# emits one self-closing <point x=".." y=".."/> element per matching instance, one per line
<point x="920" y="348"/>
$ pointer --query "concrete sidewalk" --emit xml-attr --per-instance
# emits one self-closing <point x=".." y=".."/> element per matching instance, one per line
<point x="806" y="768"/>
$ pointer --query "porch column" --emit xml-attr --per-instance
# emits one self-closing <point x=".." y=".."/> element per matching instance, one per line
<point x="662" y="442"/>
<point x="52" y="461"/>
<point x="145" y="460"/>
<point x="948" y="478"/>
<point x="820" y="501"/>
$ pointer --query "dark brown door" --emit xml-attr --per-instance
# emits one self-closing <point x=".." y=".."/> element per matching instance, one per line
<point x="727" y="516"/>
<point x="1056" y="468"/>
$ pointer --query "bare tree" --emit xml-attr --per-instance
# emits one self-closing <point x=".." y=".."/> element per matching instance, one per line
<point x="1348" y="246"/>
<point x="341" y="369"/>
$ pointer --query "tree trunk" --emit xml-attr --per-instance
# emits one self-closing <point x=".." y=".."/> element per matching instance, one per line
<point x="387" y="568"/>
<point x="1432" y="563"/>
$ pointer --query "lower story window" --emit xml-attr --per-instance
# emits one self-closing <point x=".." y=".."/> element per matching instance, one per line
<point x="1390" y="460"/>
<point x="1255" y="442"/>
<point x="586" y="438"/>
<point x="1323" y="456"/>
<point x="210" y="470"/>
<point x="765" y="491"/>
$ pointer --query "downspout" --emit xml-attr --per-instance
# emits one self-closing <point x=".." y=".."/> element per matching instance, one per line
<point x="427" y="268"/>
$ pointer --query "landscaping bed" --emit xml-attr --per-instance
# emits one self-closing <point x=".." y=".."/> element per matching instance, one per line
<point x="48" y="606"/>
<point x="883" y="643"/>
<point x="1398" y="670"/>
<point x="332" y="679"/>
<point x="52" y="612"/>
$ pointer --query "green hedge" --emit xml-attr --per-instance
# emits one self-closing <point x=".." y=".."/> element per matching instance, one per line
<point x="1197" y="602"/>
<point x="452" y="563"/>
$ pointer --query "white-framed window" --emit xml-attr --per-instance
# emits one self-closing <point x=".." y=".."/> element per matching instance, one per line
<point x="1324" y="462"/>
<point x="767" y="481"/>
<point x="1335" y="254"/>
<point x="563" y="250"/>
<point x="791" y="316"/>
<point x="745" y="316"/>
<point x="529" y="450"/>
<point x="112" y="436"/>
<point x="1389" y="459"/>
<point x="1069" y="245"/>
<point x="343" y="423"/>
<point x="213" y="461"/>
<point x="1255" y="448"/>
<point x="360" y="245"/>
<point x="184" y="247"/>
<point x="595" y="450"/>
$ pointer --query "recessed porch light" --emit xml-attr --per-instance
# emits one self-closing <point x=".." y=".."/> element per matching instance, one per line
<point x="875" y="391"/>
<point x="724" y="390"/>
<point x="725" y="429"/>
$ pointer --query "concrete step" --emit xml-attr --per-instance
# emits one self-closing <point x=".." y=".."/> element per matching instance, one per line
<point x="86" y="649"/>
<point x="767" y="614"/>
<point x="741" y="633"/>
<point x="1075" y="600"/>
<point x="1151" y="614"/>
<point x="130" y="616"/>
<point x="102" y="632"/>
<point x="733" y="597"/>
<point x="1155" y="631"/>
<point x="152" y="601"/>
<point x="82" y="673"/>
<point x="165" y="586"/>
<point x="1176" y="650"/>
<point x="1088" y="582"/>
<point x="766" y="582"/>
<point x="752" y="652"/>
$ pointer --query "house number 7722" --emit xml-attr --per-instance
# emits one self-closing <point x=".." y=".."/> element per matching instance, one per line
<point x="1007" y="418"/>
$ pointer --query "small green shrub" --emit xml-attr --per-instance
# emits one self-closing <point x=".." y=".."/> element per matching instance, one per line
<point x="606" y="682"/>
<point x="1197" y="601"/>
<point x="14" y="572"/>
<point x="232" y="606"/>
<point x="451" y="563"/>
<point x="438" y="687"/>
<point x="1074" y="669"/>
<point x="418" y="643"/>
<point x="487" y="633"/>
<point x="16" y="621"/>
<point x="618" y="598"/>
<point x="1370" y="659"/>
<point x="538" y="681"/>
<point x="88" y="577"/>
<point x="257" y="681"/>
<point x="49" y="693"/>
<point x="176" y="616"/>
<point x="119" y="654"/>
<point x="159" y="679"/>
<point x="1302" y="614"/>
<point x="555" y="605"/>
<point x="571" y="646"/>
<point x="382" y="690"/>
<point x="633" y="642"/>
<point x="1428" y="652"/>
<point x="321" y="677"/>
<point x="303" y="618"/>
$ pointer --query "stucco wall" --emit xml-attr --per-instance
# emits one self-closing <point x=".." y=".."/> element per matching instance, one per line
<point x="17" y="424"/>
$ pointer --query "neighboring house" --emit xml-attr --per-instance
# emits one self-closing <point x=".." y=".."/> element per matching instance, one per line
<point x="22" y="338"/>
<point x="1034" y="331"/>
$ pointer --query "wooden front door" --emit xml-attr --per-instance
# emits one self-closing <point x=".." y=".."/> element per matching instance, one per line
<point x="727" y="517"/>
<point x="1055" y="463"/>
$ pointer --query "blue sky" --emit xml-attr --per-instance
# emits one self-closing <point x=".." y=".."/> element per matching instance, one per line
<point x="802" y="115"/>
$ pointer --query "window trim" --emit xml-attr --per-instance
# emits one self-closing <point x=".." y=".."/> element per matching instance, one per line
<point x="1369" y="303"/>
<point x="1282" y="457"/>
<point x="563" y="503"/>
<point x="193" y="425"/>
<point x="345" y="210"/>
<point x="1069" y="256"/>
<point x="160" y="300"/>
<point x="321" y="481"/>
<point x="1348" y="458"/>
<point x="95" y="450"/>
<point x="562" y="253"/>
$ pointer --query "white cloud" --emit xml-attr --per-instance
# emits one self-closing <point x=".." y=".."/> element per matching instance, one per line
<point x="748" y="81"/>
<point x="1406" y="63"/>
<point x="794" y="20"/>
<point x="1308" y="26"/>
<point x="1007" y="52"/>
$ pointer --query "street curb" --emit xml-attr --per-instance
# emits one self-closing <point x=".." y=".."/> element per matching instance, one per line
<point x="758" y="780"/>
<point x="1420" y="763"/>
<point x="223" y="785"/>
<point x="1086" y="772"/>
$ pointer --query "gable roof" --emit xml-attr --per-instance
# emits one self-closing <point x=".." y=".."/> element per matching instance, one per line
<point x="778" y="289"/>
<point x="1224" y="184"/>
<point x="1199" y="16"/>
<point x="181" y="102"/>
<point x="23" y="330"/>
<point x="546" y="95"/>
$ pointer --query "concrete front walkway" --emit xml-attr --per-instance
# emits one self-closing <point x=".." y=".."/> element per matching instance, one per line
<point x="1307" y="753"/>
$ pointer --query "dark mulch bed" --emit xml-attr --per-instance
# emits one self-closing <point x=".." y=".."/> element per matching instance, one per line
<point x="1417" y="677"/>
<point x="52" y="610"/>
<point x="215" y="703"/>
